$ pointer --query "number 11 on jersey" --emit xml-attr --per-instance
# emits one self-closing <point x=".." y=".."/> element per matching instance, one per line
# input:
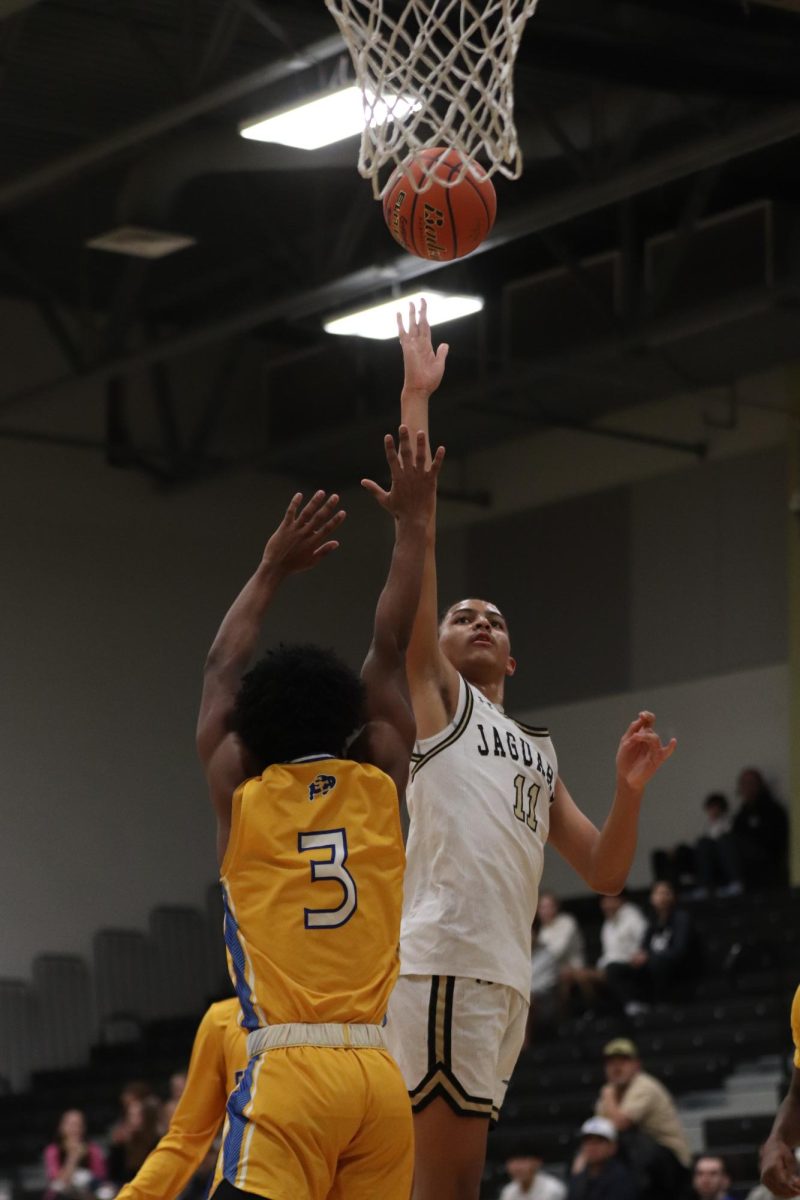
<point x="521" y="812"/>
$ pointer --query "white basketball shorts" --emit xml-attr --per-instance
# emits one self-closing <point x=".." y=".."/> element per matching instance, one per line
<point x="456" y="1038"/>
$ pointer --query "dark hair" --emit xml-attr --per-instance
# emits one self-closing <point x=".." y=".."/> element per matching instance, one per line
<point x="718" y="800"/>
<point x="297" y="700"/>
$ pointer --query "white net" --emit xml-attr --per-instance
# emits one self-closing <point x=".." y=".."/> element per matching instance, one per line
<point x="435" y="73"/>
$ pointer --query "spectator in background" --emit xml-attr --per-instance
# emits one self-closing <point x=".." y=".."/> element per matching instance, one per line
<point x="716" y="854"/>
<point x="761" y="834"/>
<point x="597" y="1173"/>
<point x="543" y="1011"/>
<point x="710" y="1178"/>
<point x="621" y="936"/>
<point x="652" y="1139"/>
<point x="177" y="1083"/>
<point x="74" y="1166"/>
<point x="529" y="1181"/>
<point x="669" y="955"/>
<point x="559" y="932"/>
<point x="135" y="1135"/>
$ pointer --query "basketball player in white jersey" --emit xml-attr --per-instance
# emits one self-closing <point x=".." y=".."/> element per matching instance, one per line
<point x="485" y="796"/>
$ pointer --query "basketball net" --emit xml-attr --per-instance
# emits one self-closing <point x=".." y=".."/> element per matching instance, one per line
<point x="439" y="73"/>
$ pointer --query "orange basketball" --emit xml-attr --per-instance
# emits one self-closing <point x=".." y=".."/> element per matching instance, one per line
<point x="440" y="223"/>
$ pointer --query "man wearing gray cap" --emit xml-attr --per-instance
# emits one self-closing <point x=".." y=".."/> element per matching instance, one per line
<point x="597" y="1172"/>
<point x="647" y="1123"/>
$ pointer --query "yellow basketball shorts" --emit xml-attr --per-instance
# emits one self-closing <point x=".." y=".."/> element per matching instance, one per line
<point x="319" y="1123"/>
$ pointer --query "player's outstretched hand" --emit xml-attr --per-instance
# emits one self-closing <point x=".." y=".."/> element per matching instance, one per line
<point x="413" y="490"/>
<point x="779" y="1169"/>
<point x="303" y="537"/>
<point x="424" y="367"/>
<point x="641" y="752"/>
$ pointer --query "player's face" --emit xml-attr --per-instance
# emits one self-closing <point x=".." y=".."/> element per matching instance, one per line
<point x="474" y="637"/>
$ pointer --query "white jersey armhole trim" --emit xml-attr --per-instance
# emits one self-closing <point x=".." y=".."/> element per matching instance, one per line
<point x="426" y="748"/>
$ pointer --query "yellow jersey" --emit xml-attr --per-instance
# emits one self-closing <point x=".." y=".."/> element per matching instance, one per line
<point x="312" y="884"/>
<point x="796" y="1027"/>
<point x="219" y="1059"/>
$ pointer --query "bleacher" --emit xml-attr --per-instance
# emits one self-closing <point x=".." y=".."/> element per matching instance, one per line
<point x="74" y="1034"/>
<point x="735" y="1015"/>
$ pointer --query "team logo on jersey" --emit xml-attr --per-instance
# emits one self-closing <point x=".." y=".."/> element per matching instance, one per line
<point x="321" y="786"/>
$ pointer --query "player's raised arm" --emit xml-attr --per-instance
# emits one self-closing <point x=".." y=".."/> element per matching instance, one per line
<point x="303" y="538"/>
<point x="432" y="678"/>
<point x="603" y="857"/>
<point x="410" y="501"/>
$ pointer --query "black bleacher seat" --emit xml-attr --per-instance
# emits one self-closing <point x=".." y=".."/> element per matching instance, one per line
<point x="737" y="1131"/>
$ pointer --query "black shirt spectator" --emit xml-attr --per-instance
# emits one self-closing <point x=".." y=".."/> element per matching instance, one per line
<point x="761" y="833"/>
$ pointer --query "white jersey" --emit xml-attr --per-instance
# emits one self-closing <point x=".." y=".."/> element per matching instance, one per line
<point x="479" y="801"/>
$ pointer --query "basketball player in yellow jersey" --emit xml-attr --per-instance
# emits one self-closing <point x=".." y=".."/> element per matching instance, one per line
<point x="219" y="1059"/>
<point x="306" y="762"/>
<point x="485" y="798"/>
<point x="779" y="1168"/>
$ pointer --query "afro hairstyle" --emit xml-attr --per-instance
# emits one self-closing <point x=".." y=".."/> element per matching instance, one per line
<point x="297" y="700"/>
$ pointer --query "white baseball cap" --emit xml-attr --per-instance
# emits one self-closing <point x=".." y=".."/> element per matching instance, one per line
<point x="599" y="1127"/>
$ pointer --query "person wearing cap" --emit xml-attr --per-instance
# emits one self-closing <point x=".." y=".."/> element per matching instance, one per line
<point x="529" y="1181"/>
<point x="643" y="1113"/>
<point x="597" y="1172"/>
<point x="780" y="1170"/>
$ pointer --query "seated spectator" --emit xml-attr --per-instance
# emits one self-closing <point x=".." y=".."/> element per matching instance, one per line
<point x="710" y="1178"/>
<point x="529" y="1181"/>
<point x="74" y="1166"/>
<point x="716" y="854"/>
<point x="544" y="985"/>
<point x="177" y="1083"/>
<point x="135" y="1135"/>
<point x="669" y="955"/>
<point x="597" y="1173"/>
<point x="652" y="1139"/>
<point x="559" y="932"/>
<point x="621" y="936"/>
<point x="761" y="834"/>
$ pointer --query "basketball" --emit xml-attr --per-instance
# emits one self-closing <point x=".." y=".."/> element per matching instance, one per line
<point x="442" y="222"/>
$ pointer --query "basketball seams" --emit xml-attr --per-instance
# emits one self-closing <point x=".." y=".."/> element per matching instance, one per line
<point x="462" y="211"/>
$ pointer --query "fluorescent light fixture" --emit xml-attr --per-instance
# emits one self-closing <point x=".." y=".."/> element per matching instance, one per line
<point x="380" y="322"/>
<point x="139" y="242"/>
<point x="326" y="119"/>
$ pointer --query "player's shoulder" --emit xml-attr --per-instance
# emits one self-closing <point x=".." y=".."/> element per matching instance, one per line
<point x="537" y="731"/>
<point x="220" y="1014"/>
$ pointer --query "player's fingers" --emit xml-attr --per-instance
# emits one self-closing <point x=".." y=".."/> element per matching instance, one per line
<point x="424" y="327"/>
<point x="401" y="329"/>
<point x="312" y="508"/>
<point x="326" y="509"/>
<point x="333" y="522"/>
<point x="404" y="437"/>
<point x="293" y="505"/>
<point x="390" y="450"/>
<point x="442" y="352"/>
<point x="375" y="490"/>
<point x="412" y="317"/>
<point x="421" y="450"/>
<point x="326" y="549"/>
<point x="437" y="460"/>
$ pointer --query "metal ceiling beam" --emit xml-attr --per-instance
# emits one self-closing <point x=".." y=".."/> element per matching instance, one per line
<point x="551" y="210"/>
<point x="67" y="168"/>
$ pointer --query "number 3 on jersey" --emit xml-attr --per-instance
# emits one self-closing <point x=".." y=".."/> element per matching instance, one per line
<point x="520" y="812"/>
<point x="334" y="840"/>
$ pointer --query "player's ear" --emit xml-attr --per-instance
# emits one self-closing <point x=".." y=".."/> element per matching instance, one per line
<point x="511" y="665"/>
